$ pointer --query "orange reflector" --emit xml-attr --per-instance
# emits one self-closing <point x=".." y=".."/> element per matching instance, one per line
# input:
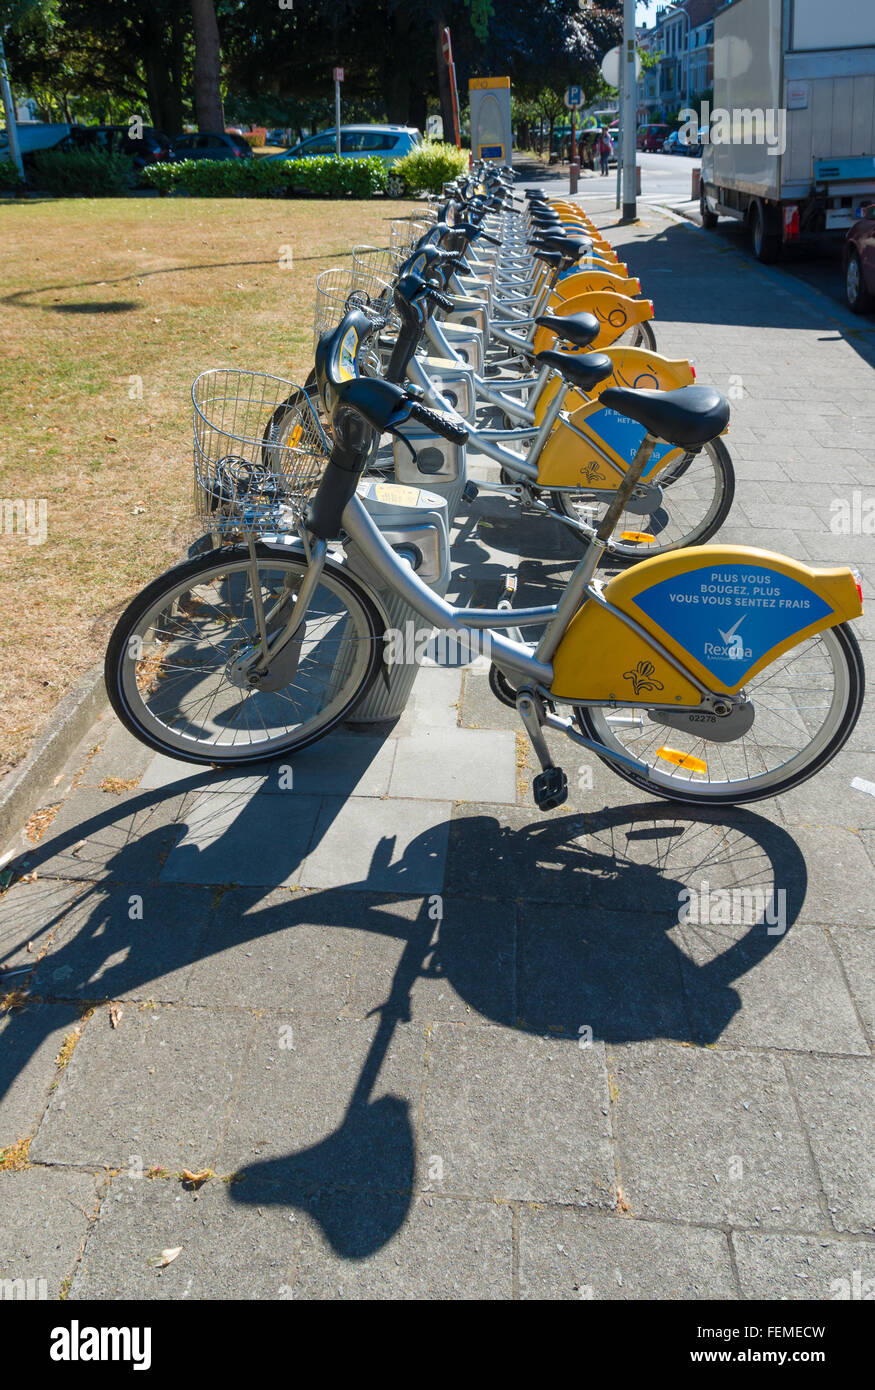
<point x="671" y="755"/>
<point x="636" y="536"/>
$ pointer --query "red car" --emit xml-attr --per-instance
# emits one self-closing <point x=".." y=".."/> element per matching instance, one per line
<point x="859" y="261"/>
<point x="651" y="137"/>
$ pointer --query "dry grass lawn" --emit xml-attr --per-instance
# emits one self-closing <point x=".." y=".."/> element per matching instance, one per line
<point x="108" y="310"/>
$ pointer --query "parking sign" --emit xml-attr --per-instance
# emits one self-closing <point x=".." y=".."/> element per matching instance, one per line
<point x="574" y="97"/>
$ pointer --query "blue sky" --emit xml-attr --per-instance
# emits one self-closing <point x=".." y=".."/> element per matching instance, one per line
<point x="645" y="11"/>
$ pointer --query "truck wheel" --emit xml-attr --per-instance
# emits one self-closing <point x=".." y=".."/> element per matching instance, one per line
<point x="709" y="219"/>
<point x="856" y="293"/>
<point x="766" y="244"/>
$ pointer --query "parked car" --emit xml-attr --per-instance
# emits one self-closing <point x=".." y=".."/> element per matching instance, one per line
<point x="34" y="136"/>
<point x="276" y="137"/>
<point x="650" y="137"/>
<point x="386" y="142"/>
<point x="695" y="146"/>
<point x="152" y="147"/>
<point x="208" y="144"/>
<point x="859" y="262"/>
<point x="673" y="144"/>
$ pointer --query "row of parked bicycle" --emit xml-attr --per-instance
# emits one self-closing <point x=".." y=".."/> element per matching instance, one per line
<point x="509" y="326"/>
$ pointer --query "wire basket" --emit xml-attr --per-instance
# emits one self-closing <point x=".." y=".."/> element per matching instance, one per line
<point x="343" y="288"/>
<point x="406" y="232"/>
<point x="259" y="451"/>
<point x="372" y="265"/>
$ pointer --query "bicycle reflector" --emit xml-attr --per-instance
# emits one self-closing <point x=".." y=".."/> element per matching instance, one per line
<point x="642" y="536"/>
<point x="672" y="755"/>
<point x="858" y="580"/>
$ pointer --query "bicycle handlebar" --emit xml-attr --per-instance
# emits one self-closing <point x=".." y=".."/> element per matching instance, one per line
<point x="441" y="424"/>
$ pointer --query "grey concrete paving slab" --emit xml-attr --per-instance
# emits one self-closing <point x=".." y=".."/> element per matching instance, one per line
<point x="570" y="1254"/>
<point x="395" y="845"/>
<point x="98" y="835"/>
<point x="751" y="989"/>
<point x="44" y="1216"/>
<point x="815" y="1267"/>
<point x="456" y="765"/>
<point x="616" y="974"/>
<point x="31" y="1037"/>
<point x="856" y="949"/>
<point x="498" y="852"/>
<point x="835" y="1096"/>
<point x="250" y="1249"/>
<point x="232" y="837"/>
<point x="711" y="1137"/>
<point x="445" y="1250"/>
<point x="30" y="914"/>
<point x="343" y="764"/>
<point x="155" y="1090"/>
<point x="326" y="1104"/>
<point x="118" y="944"/>
<point x="297" y="952"/>
<point x="434" y="700"/>
<point x="515" y="1115"/>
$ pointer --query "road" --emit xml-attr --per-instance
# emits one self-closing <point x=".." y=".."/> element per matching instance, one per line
<point x="666" y="180"/>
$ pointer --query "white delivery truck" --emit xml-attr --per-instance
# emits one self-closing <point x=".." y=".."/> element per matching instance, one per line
<point x="791" y="148"/>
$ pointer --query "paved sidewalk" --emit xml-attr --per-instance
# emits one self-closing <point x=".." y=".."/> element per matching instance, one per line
<point x="432" y="1043"/>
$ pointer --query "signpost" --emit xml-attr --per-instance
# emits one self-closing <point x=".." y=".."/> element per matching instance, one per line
<point x="621" y="68"/>
<point x="9" y="108"/>
<point x="338" y="78"/>
<point x="447" y="51"/>
<point x="574" y="99"/>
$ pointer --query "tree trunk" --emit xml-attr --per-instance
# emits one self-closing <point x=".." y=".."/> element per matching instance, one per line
<point x="207" y="91"/>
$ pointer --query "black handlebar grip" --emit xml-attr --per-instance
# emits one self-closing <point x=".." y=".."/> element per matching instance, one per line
<point x="493" y="240"/>
<point x="443" y="301"/>
<point x="448" y="429"/>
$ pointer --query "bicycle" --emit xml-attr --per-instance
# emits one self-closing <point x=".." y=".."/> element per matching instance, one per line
<point x="743" y="659"/>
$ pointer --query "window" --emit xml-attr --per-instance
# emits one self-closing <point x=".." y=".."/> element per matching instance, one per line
<point x="320" y="144"/>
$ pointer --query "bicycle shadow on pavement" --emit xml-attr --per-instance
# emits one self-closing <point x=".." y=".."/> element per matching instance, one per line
<point x="595" y="902"/>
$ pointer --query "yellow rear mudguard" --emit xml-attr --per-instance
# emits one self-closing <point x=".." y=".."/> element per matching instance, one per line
<point x="615" y="312"/>
<point x="639" y="369"/>
<point x="593" y="280"/>
<point x="724" y="611"/>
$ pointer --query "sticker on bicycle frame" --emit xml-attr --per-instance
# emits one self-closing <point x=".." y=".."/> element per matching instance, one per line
<point x="624" y="436"/>
<point x="348" y="349"/>
<point x="728" y="616"/>
<point x="418" y="265"/>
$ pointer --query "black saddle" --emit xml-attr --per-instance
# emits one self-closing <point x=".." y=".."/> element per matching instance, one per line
<point x="579" y="329"/>
<point x="688" y="417"/>
<point x="584" y="370"/>
<point x="572" y="246"/>
<point x="551" y="258"/>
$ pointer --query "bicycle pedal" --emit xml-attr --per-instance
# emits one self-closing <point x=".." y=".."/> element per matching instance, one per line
<point x="550" y="788"/>
<point x="470" y="492"/>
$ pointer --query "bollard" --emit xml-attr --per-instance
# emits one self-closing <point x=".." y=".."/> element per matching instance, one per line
<point x="697" y="173"/>
<point x="573" y="175"/>
<point x="638" y="179"/>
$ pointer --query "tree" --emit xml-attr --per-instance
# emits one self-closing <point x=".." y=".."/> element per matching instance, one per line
<point x="207" y="60"/>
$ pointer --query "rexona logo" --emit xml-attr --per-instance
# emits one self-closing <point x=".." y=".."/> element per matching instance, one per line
<point x="75" y="1343"/>
<point x="732" y="647"/>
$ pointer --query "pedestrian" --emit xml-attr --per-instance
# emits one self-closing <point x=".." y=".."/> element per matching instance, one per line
<point x="604" y="150"/>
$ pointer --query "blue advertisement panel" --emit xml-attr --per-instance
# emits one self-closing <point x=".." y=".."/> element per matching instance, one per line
<point x="728" y="616"/>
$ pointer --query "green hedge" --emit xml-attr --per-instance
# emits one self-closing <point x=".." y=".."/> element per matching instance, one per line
<point x="324" y="175"/>
<point x="10" y="179"/>
<point x="430" y="165"/>
<point x="95" y="173"/>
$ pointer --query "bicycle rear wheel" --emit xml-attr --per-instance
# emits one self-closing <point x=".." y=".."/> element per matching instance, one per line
<point x="689" y="505"/>
<point x="170" y="660"/>
<point x="805" y="707"/>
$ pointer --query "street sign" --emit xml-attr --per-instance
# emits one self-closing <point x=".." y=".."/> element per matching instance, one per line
<point x="574" y="98"/>
<point x="338" y="74"/>
<point x="610" y="67"/>
<point x="446" y="46"/>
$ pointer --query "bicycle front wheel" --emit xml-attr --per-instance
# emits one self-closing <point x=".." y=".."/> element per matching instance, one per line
<point x="805" y="707"/>
<point x="170" y="665"/>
